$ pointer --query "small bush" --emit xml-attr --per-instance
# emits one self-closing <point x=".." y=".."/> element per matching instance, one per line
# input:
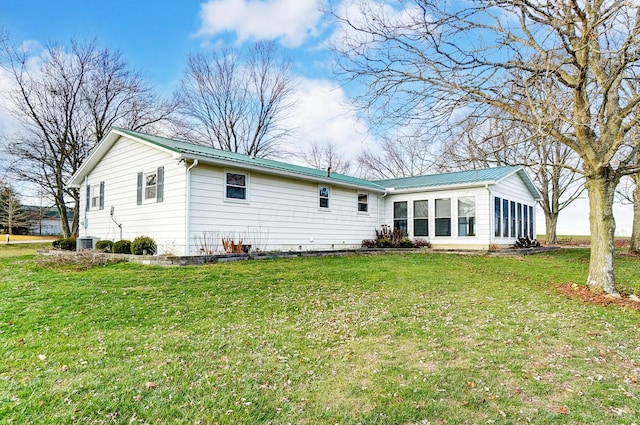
<point x="384" y="243"/>
<point x="104" y="246"/>
<point x="422" y="243"/>
<point x="369" y="243"/>
<point x="143" y="245"/>
<point x="405" y="243"/>
<point x="122" y="247"/>
<point x="66" y="244"/>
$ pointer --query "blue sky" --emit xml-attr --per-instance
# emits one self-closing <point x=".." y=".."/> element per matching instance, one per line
<point x="156" y="37"/>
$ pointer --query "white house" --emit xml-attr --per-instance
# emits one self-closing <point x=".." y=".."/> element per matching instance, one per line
<point x="187" y="197"/>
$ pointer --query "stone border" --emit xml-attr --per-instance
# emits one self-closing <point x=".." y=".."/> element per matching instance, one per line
<point x="194" y="260"/>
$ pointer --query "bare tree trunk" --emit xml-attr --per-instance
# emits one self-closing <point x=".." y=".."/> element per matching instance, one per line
<point x="634" y="246"/>
<point x="551" y="222"/>
<point x="601" y="189"/>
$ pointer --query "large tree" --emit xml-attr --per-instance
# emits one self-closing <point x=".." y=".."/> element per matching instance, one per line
<point x="66" y="98"/>
<point x="430" y="59"/>
<point x="237" y="101"/>
<point x="491" y="141"/>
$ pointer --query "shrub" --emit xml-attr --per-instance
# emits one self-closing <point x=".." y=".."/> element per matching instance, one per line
<point x="143" y="245"/>
<point x="122" y="247"/>
<point x="405" y="243"/>
<point x="422" y="243"/>
<point x="66" y="244"/>
<point x="384" y="243"/>
<point x="104" y="246"/>
<point x="369" y="243"/>
<point x="391" y="234"/>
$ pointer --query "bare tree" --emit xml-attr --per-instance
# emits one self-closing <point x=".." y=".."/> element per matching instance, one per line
<point x="430" y="58"/>
<point x="66" y="103"/>
<point x="399" y="156"/>
<point x="235" y="102"/>
<point x="480" y="143"/>
<point x="326" y="156"/>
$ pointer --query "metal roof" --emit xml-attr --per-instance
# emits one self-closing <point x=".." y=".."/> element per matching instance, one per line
<point x="202" y="152"/>
<point x="207" y="154"/>
<point x="483" y="176"/>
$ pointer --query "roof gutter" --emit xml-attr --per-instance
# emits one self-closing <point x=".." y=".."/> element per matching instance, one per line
<point x="438" y="188"/>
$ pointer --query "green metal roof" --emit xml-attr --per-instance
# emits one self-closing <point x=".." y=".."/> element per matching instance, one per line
<point x="203" y="152"/>
<point x="472" y="177"/>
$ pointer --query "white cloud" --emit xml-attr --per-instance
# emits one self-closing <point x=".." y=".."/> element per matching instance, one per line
<point x="292" y="21"/>
<point x="321" y="116"/>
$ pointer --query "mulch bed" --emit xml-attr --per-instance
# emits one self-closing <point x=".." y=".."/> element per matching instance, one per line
<point x="583" y="293"/>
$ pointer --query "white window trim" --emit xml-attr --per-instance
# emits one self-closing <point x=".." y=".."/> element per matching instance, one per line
<point x="153" y="199"/>
<point x="358" y="194"/>
<point x="475" y="198"/>
<point x="452" y="226"/>
<point x="328" y="197"/>
<point x="247" y="179"/>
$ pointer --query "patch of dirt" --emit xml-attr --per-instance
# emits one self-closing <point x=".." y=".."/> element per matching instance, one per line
<point x="585" y="295"/>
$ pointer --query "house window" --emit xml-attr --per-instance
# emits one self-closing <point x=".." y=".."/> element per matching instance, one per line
<point x="519" y="220"/>
<point x="323" y="196"/>
<point x="400" y="216"/>
<point x="513" y="219"/>
<point x="150" y="185"/>
<point x="420" y="218"/>
<point x="443" y="217"/>
<point x="497" y="217"/>
<point x="363" y="202"/>
<point x="95" y="197"/>
<point x="467" y="216"/>
<point x="525" y="229"/>
<point x="505" y="218"/>
<point x="236" y="186"/>
<point x="531" y="222"/>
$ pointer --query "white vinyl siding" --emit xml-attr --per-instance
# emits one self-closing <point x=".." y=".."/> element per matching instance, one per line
<point x="164" y="222"/>
<point x="283" y="213"/>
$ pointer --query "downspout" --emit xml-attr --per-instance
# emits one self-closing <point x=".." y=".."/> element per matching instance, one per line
<point x="378" y="202"/>
<point x="187" y="217"/>
<point x="83" y="194"/>
<point x="491" y="228"/>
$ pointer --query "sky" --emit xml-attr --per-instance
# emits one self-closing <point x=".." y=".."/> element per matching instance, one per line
<point x="155" y="38"/>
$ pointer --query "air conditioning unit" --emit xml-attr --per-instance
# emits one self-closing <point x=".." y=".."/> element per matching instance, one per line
<point x="86" y="242"/>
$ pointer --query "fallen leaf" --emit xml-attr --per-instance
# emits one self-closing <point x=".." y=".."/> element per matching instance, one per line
<point x="42" y="357"/>
<point x="563" y="410"/>
<point x="471" y="384"/>
<point x="518" y="390"/>
<point x="149" y="385"/>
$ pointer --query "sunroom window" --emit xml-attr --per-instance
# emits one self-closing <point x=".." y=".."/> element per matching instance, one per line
<point x="467" y="216"/>
<point x="443" y="217"/>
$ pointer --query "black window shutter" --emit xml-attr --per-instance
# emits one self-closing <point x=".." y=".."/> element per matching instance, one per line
<point x="86" y="207"/>
<point x="160" y="187"/>
<point x="139" y="188"/>
<point x="101" y="195"/>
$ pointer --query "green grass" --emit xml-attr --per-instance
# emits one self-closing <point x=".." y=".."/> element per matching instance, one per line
<point x="407" y="339"/>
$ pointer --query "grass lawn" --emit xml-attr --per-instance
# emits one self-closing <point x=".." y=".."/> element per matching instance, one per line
<point x="388" y="339"/>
